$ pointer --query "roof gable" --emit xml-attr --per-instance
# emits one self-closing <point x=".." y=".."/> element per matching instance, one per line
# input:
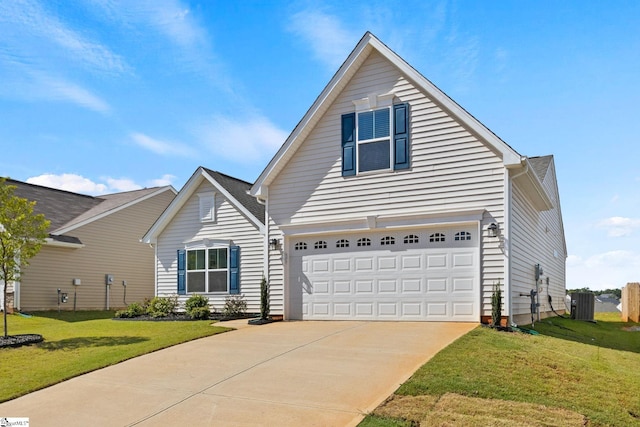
<point x="233" y="189"/>
<point x="111" y="203"/>
<point x="349" y="68"/>
<point x="540" y="165"/>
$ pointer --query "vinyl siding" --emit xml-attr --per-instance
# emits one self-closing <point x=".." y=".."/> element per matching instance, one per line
<point x="450" y="170"/>
<point x="230" y="225"/>
<point x="537" y="238"/>
<point x="112" y="246"/>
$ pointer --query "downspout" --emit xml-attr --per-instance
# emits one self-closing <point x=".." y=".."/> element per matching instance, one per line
<point x="507" y="232"/>
<point x="265" y="239"/>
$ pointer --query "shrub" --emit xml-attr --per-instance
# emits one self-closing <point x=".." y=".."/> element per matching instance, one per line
<point x="197" y="307"/>
<point x="234" y="306"/>
<point x="199" y="313"/>
<point x="133" y="310"/>
<point x="162" y="306"/>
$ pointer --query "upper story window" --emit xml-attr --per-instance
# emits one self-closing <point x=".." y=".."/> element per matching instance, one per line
<point x="462" y="235"/>
<point x="207" y="206"/>
<point x="375" y="139"/>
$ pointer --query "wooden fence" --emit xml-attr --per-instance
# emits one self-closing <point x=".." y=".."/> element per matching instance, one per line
<point x="631" y="302"/>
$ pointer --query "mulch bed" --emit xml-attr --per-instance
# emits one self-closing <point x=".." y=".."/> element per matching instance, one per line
<point x="180" y="317"/>
<point x="20" y="340"/>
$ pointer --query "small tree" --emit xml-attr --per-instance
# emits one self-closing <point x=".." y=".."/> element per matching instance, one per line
<point x="264" y="299"/>
<point x="496" y="305"/>
<point x="22" y="233"/>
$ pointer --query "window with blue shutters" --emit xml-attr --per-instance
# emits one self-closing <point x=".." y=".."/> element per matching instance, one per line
<point x="209" y="270"/>
<point x="376" y="140"/>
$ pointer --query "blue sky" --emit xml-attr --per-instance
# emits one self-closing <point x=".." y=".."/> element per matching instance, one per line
<point x="100" y="96"/>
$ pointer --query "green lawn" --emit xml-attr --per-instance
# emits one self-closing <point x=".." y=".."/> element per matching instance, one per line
<point x="75" y="343"/>
<point x="572" y="371"/>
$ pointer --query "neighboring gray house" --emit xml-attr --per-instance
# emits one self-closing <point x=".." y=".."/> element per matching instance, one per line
<point x="90" y="238"/>
<point x="607" y="303"/>
<point x="210" y="241"/>
<point x="389" y="201"/>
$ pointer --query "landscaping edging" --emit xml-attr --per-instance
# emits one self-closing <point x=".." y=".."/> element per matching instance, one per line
<point x="20" y="340"/>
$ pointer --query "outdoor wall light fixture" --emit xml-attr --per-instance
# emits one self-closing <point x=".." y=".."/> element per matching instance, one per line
<point x="493" y="229"/>
<point x="274" y="244"/>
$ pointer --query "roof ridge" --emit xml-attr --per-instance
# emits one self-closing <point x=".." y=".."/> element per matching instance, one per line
<point x="227" y="176"/>
<point x="8" y="179"/>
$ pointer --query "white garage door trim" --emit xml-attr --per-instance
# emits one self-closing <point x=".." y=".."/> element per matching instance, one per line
<point x="418" y="274"/>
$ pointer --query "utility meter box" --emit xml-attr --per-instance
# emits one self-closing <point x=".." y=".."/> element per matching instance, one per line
<point x="108" y="279"/>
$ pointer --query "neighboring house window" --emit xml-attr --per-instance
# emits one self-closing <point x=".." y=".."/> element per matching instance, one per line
<point x="207" y="207"/>
<point x="462" y="235"/>
<point x="300" y="246"/>
<point x="411" y="238"/>
<point x="388" y="240"/>
<point x="209" y="270"/>
<point x="342" y="243"/>
<point x="436" y="237"/>
<point x="320" y="244"/>
<point x="364" y="242"/>
<point x="375" y="140"/>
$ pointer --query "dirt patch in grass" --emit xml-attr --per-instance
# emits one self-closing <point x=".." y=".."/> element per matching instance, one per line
<point x="456" y="410"/>
<point x="410" y="408"/>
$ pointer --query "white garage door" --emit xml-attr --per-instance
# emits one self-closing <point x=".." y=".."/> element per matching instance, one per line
<point x="427" y="274"/>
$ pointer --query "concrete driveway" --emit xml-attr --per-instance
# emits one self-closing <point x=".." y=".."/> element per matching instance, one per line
<point x="284" y="374"/>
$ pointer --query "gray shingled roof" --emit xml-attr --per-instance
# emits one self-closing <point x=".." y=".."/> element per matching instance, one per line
<point x="238" y="189"/>
<point x="65" y="209"/>
<point x="58" y="206"/>
<point x="109" y="202"/>
<point x="540" y="165"/>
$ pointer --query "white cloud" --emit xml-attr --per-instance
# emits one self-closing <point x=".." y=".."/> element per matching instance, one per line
<point x="250" y="140"/>
<point x="79" y="184"/>
<point x="612" y="269"/>
<point x="165" y="148"/>
<point x="32" y="21"/>
<point x="619" y="226"/>
<point x="69" y="182"/>
<point x="61" y="90"/>
<point x="163" y="181"/>
<point x="330" y="40"/>
<point x="170" y="18"/>
<point x="189" y="46"/>
<point x="121" y="184"/>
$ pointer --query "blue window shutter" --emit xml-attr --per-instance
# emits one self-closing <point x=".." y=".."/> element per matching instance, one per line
<point x="234" y="269"/>
<point x="182" y="262"/>
<point x="349" y="144"/>
<point x="401" y="136"/>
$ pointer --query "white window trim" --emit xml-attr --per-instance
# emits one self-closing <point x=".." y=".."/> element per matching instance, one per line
<point x="206" y="244"/>
<point x="371" y="103"/>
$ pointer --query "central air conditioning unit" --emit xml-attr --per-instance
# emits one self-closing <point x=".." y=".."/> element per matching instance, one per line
<point x="582" y="306"/>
